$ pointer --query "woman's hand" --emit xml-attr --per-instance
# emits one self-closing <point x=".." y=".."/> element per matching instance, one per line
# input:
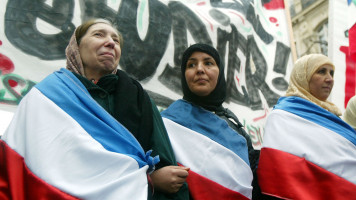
<point x="169" y="179"/>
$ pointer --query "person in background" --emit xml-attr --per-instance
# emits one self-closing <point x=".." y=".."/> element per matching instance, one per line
<point x="88" y="131"/>
<point x="350" y="113"/>
<point x="206" y="137"/>
<point x="308" y="152"/>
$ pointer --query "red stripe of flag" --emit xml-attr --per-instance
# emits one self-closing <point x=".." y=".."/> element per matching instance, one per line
<point x="285" y="175"/>
<point x="17" y="182"/>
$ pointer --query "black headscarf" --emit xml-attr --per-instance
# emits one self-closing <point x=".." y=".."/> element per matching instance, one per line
<point x="214" y="100"/>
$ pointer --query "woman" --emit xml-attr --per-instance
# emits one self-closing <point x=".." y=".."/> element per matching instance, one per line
<point x="90" y="131"/>
<point x="350" y="113"/>
<point x="308" y="151"/>
<point x="217" y="154"/>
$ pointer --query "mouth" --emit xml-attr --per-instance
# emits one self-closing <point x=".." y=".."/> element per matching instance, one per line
<point x="107" y="54"/>
<point x="201" y="81"/>
<point x="327" y="88"/>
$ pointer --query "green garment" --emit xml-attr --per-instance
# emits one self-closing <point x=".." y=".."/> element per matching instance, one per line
<point x="103" y="94"/>
<point x="162" y="147"/>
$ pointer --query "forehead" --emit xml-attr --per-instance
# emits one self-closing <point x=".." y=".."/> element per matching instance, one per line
<point x="103" y="27"/>
<point x="326" y="66"/>
<point x="200" y="54"/>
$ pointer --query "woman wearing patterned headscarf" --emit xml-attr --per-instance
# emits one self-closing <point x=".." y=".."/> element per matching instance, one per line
<point x="206" y="137"/>
<point x="86" y="132"/>
<point x="308" y="151"/>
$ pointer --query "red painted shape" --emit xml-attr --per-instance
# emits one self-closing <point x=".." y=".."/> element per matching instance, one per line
<point x="261" y="117"/>
<point x="211" y="25"/>
<point x="12" y="83"/>
<point x="201" y="3"/>
<point x="238" y="80"/>
<point x="350" y="75"/>
<point x="273" y="19"/>
<point x="6" y="65"/>
<point x="352" y="42"/>
<point x="242" y="19"/>
<point x="274" y="5"/>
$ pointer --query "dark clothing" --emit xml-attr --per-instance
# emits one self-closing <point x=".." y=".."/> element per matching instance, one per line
<point x="124" y="99"/>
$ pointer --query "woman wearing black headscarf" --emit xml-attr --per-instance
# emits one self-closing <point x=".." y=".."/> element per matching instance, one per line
<point x="206" y="137"/>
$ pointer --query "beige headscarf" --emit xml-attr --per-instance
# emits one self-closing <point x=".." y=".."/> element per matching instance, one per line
<point x="350" y="113"/>
<point x="302" y="72"/>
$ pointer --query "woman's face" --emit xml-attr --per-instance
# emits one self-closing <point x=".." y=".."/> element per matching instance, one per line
<point x="100" y="50"/>
<point x="322" y="82"/>
<point x="201" y="73"/>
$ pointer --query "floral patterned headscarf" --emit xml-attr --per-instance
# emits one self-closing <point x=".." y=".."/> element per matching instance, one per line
<point x="303" y="70"/>
<point x="74" y="61"/>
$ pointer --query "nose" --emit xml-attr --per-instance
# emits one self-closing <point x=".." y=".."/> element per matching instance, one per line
<point x="200" y="67"/>
<point x="329" y="78"/>
<point x="110" y="43"/>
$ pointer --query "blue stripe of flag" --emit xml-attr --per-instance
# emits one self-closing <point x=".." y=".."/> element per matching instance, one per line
<point x="208" y="124"/>
<point x="316" y="114"/>
<point x="67" y="92"/>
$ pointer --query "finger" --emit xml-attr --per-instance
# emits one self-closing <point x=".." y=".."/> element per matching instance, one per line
<point x="183" y="174"/>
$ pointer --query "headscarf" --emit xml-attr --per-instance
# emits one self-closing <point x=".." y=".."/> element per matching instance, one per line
<point x="74" y="61"/>
<point x="215" y="99"/>
<point x="350" y="113"/>
<point x="303" y="70"/>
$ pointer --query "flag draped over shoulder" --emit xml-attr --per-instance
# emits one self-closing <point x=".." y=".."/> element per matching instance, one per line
<point x="216" y="155"/>
<point x="308" y="153"/>
<point x="62" y="145"/>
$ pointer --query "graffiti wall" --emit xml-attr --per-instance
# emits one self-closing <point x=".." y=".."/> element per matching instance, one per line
<point x="251" y="36"/>
<point x="342" y="49"/>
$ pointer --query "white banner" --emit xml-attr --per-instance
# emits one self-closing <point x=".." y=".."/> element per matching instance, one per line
<point x="251" y="36"/>
<point x="342" y="17"/>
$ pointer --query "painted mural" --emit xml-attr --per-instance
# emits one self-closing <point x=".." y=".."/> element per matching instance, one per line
<point x="251" y="36"/>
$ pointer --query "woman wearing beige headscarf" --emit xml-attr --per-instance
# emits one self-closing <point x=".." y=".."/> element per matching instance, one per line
<point x="308" y="152"/>
<point x="350" y="113"/>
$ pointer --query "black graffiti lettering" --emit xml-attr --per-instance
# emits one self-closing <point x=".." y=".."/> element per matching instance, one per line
<point x="280" y="66"/>
<point x="97" y="9"/>
<point x="141" y="58"/>
<point x="235" y="40"/>
<point x="255" y="79"/>
<point x="21" y="30"/>
<point x="220" y="17"/>
<point x="247" y="9"/>
<point x="183" y="20"/>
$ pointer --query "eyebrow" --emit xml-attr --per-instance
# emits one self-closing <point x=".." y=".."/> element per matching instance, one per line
<point x="104" y="30"/>
<point x="204" y="59"/>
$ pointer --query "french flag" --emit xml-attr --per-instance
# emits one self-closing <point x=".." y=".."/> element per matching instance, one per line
<point x="216" y="155"/>
<point x="308" y="153"/>
<point x="61" y="144"/>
